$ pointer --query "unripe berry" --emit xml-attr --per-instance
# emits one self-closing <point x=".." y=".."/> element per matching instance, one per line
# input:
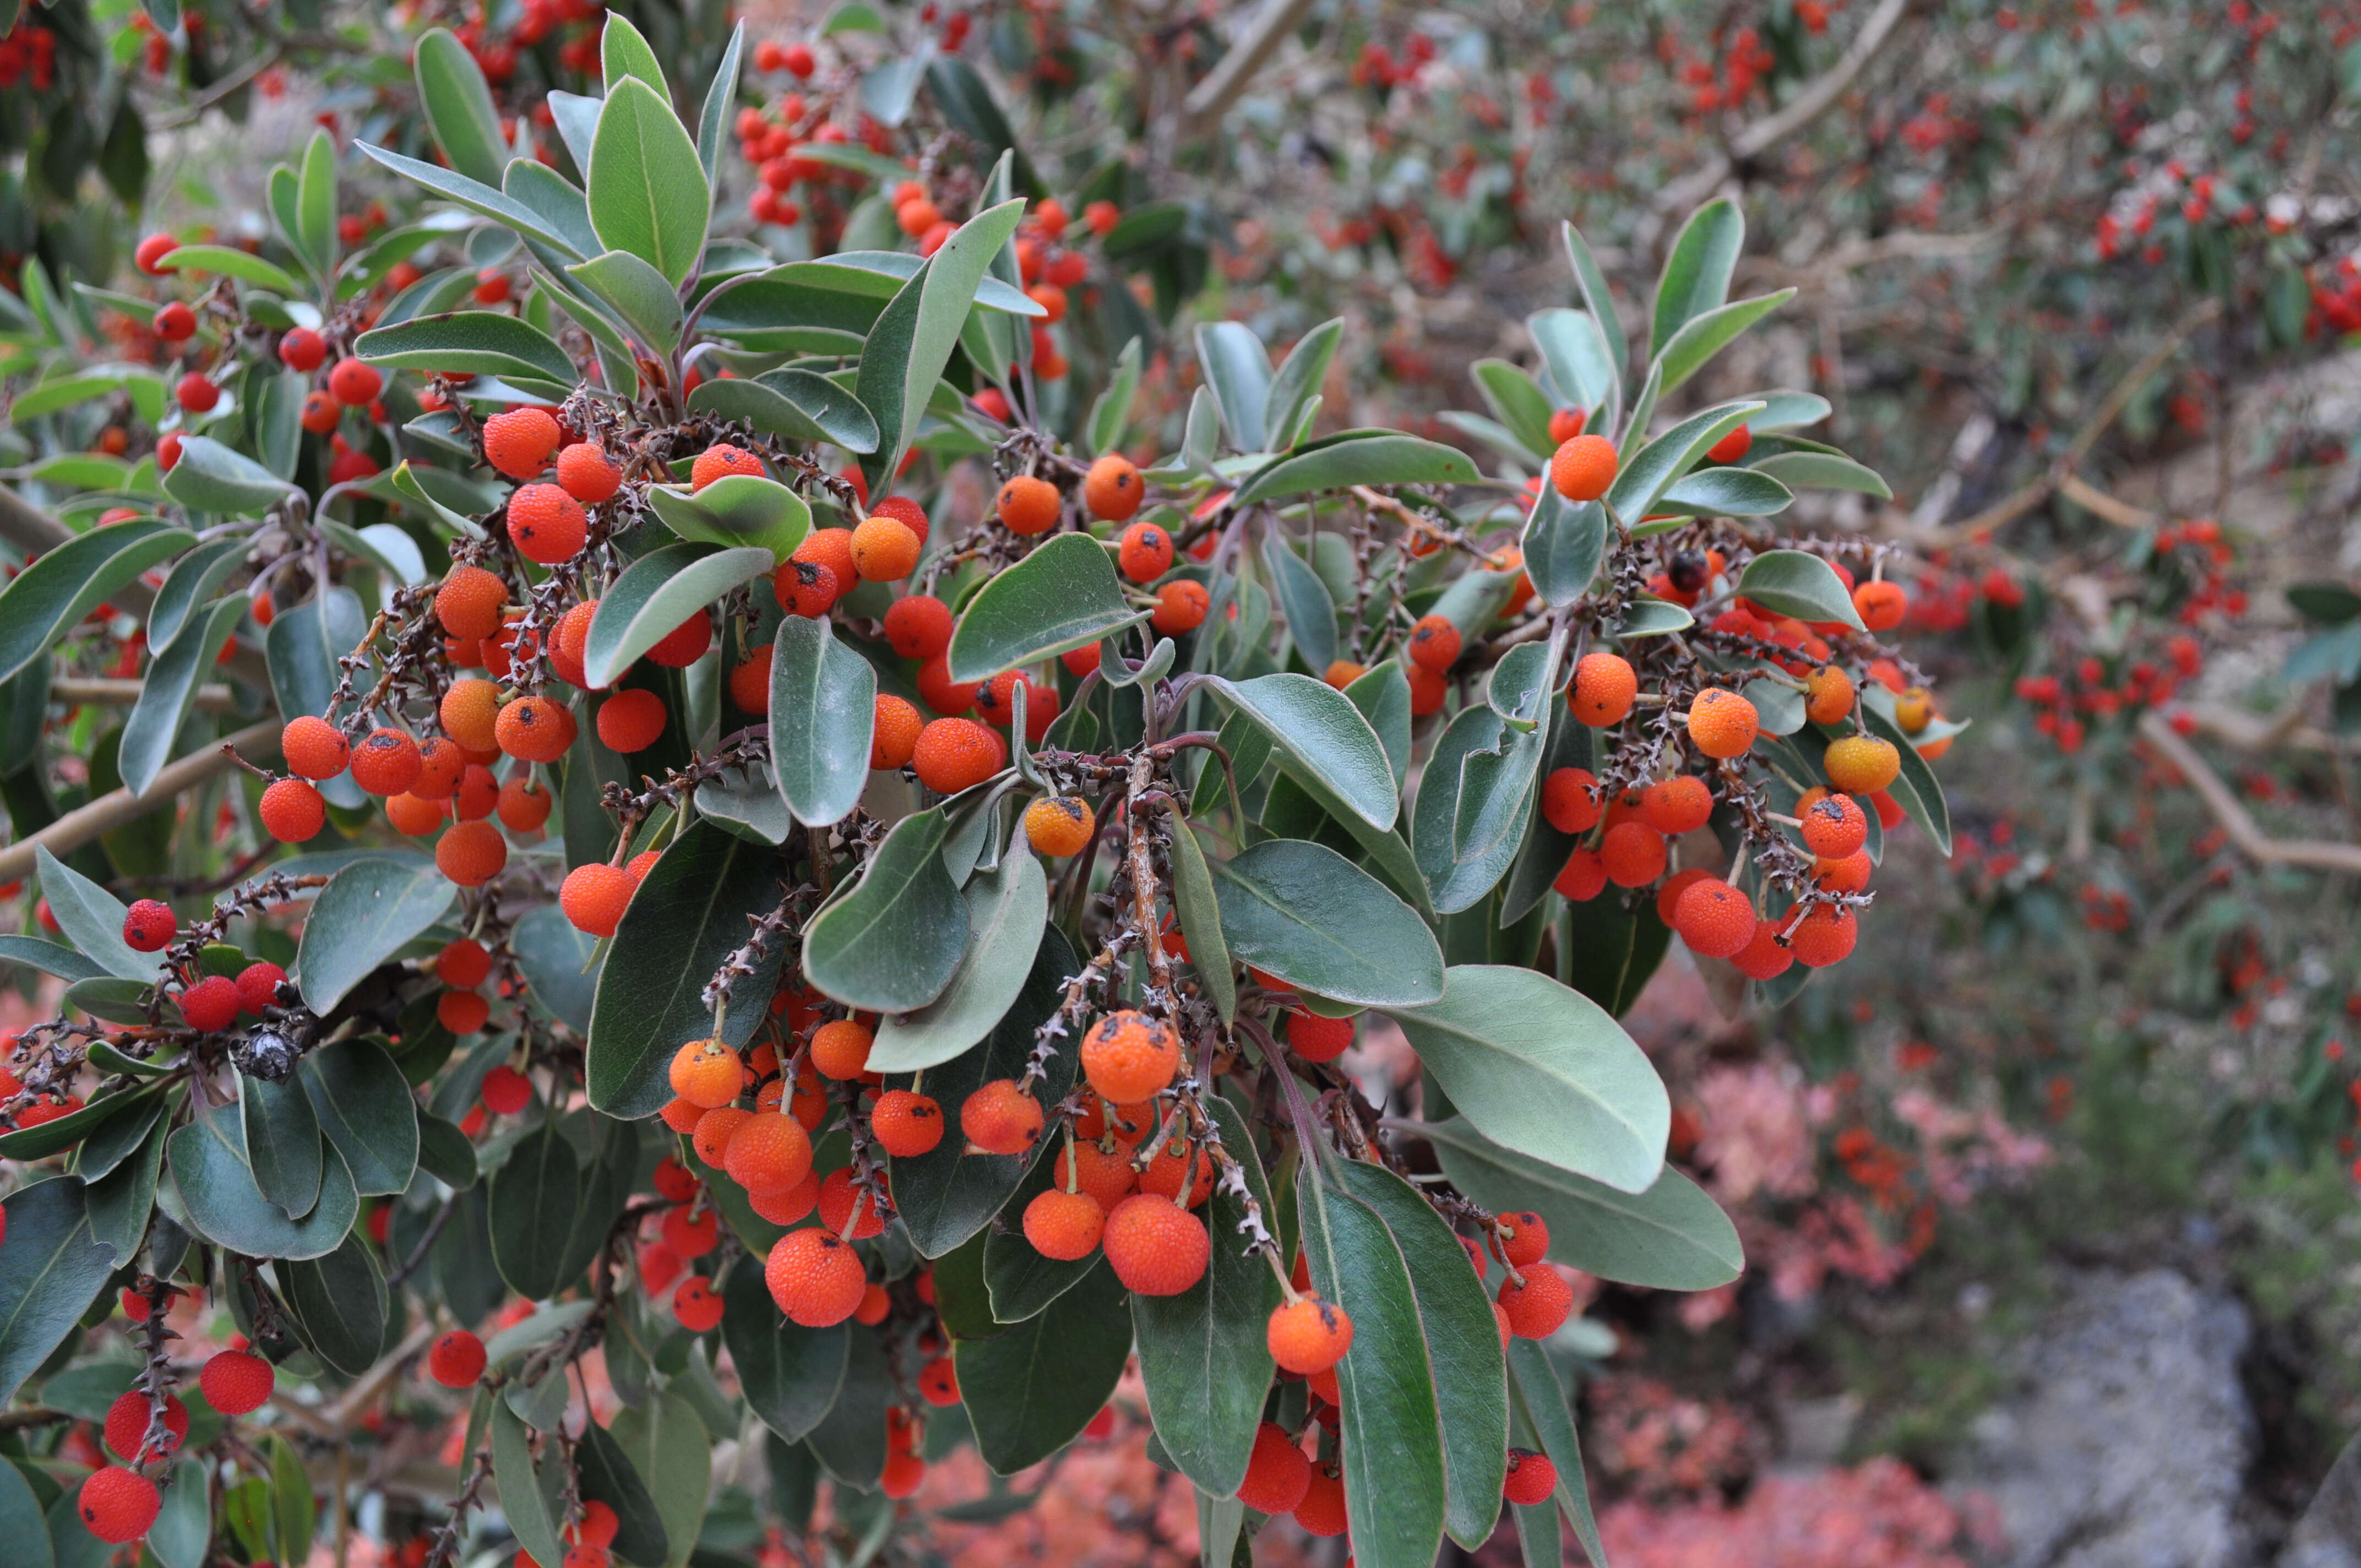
<point x="1318" y="1039"/>
<point x="1059" y="824"/>
<point x="386" y="762"/>
<point x="1604" y="688"/>
<point x="1827" y="695"/>
<point x="1834" y="827"/>
<point x="1570" y="800"/>
<point x="292" y="811"/>
<point x="631" y="721"/>
<point x="1000" y="1118"/>
<point x="355" y="384"/>
<point x="546" y="524"/>
<point x="1538" y="1307"/>
<point x="593" y="897"/>
<point x="1064" y="1225"/>
<point x="534" y="729"/>
<point x="237" y="1382"/>
<point x="1531" y="1478"/>
<point x="519" y="443"/>
<point x="1679" y="805"/>
<point x="719" y="461"/>
<point x="1434" y="643"/>
<point x="148" y="926"/>
<point x="314" y="748"/>
<point x="457" y="1360"/>
<point x="1181" y="606"/>
<point x="1530" y="1244"/>
<point x="117" y="1506"/>
<point x="1146" y="553"/>
<point x="884" y="549"/>
<point x="1156" y="1247"/>
<point x="1861" y="764"/>
<point x="1308" y="1335"/>
<point x="1714" y="918"/>
<point x="841" y="1049"/>
<point x="1112" y="491"/>
<point x="471" y="853"/>
<point x="126" y="1427"/>
<point x="954" y="754"/>
<point x="707" y="1074"/>
<point x="1129" y="1056"/>
<point x="1277" y="1472"/>
<point x="1583" y="467"/>
<point x="815" y="1277"/>
<point x="918" y="627"/>
<point x="211" y="1004"/>
<point x="1633" y="854"/>
<point x="906" y="1125"/>
<point x="1027" y="505"/>
<point x="893" y="737"/>
<point x="1721" y="723"/>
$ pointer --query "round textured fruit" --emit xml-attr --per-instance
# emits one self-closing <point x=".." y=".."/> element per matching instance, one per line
<point x="1001" y="1118"/>
<point x="211" y="1004"/>
<point x="471" y="853"/>
<point x="1531" y="1478"/>
<point x="1827" y="695"/>
<point x="816" y="1278"/>
<point x="1541" y="1306"/>
<point x="841" y="1049"/>
<point x="1318" y="1039"/>
<point x="1434" y="643"/>
<point x="1059" y="825"/>
<point x="1834" y="827"/>
<point x="808" y="588"/>
<point x="696" y="1308"/>
<point x="1861" y="764"/>
<point x="353" y="383"/>
<point x="1633" y="854"/>
<point x="127" y="1421"/>
<point x="1027" y="505"/>
<point x="461" y="1012"/>
<point x="707" y="1074"/>
<point x="1106" y="1176"/>
<point x="414" y="816"/>
<point x="258" y="985"/>
<point x="1764" y="956"/>
<point x="1714" y="918"/>
<point x="457" y="1360"/>
<point x="593" y="897"/>
<point x="884" y="549"/>
<point x="1308" y="1335"/>
<point x="894" y="734"/>
<point x="684" y="644"/>
<point x="148" y="926"/>
<point x="1603" y="690"/>
<point x="1825" y="936"/>
<point x="939" y="1382"/>
<point x="1678" y="804"/>
<point x="1129" y="1056"/>
<point x="714" y="1130"/>
<point x="904" y="1124"/>
<point x="1570" y="800"/>
<point x="292" y="811"/>
<point x="470" y="712"/>
<point x="1530" y="1242"/>
<point x="386" y="762"/>
<point x="520" y="441"/>
<point x="631" y="721"/>
<point x="588" y="474"/>
<point x="1881" y="605"/>
<point x="237" y="1382"/>
<point x="1731" y="447"/>
<point x="953" y="754"/>
<point x="1583" y="467"/>
<point x="918" y="627"/>
<point x="117" y="1505"/>
<point x="534" y="729"/>
<point x="1322" y="1512"/>
<point x="905" y="510"/>
<point x="1146" y="553"/>
<point x="546" y="524"/>
<point x="1721" y="723"/>
<point x="524" y="804"/>
<point x="314" y="748"/>
<point x="1180" y="606"/>
<point x="719" y="461"/>
<point x="1156" y="1247"/>
<point x="769" y="1153"/>
<point x="1113" y="489"/>
<point x="1064" y="1225"/>
<point x="1277" y="1472"/>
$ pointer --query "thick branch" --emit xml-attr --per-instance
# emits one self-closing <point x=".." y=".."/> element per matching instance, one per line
<point x="107" y="692"/>
<point x="108" y="812"/>
<point x="1213" y="97"/>
<point x="2314" y="854"/>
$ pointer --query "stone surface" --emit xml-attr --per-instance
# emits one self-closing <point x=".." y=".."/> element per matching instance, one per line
<point x="2329" y="1534"/>
<point x="2128" y="1434"/>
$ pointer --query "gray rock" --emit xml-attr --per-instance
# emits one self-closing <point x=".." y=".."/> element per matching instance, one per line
<point x="2126" y="1439"/>
<point x="2329" y="1534"/>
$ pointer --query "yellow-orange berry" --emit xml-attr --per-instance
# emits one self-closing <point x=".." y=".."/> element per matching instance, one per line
<point x="1059" y="824"/>
<point x="1834" y="826"/>
<point x="768" y="1153"/>
<point x="1000" y="1118"/>
<point x="1128" y="1057"/>
<point x="1434" y="643"/>
<point x="314" y="748"/>
<point x="905" y="510"/>
<point x="292" y="811"/>
<point x="534" y="729"/>
<point x="471" y="853"/>
<point x="1914" y="710"/>
<point x="1714" y="918"/>
<point x="386" y="761"/>
<point x="841" y="1049"/>
<point x="953" y="754"/>
<point x="894" y="738"/>
<point x="1064" y="1225"/>
<point x="593" y="897"/>
<point x="707" y="1073"/>
<point x="714" y="1130"/>
<point x="1828" y="694"/>
<point x="631" y="721"/>
<point x="1027" y="505"/>
<point x="546" y="524"/>
<point x="588" y="474"/>
<point x="1146" y="553"/>
<point x="1856" y="764"/>
<point x="906" y="1123"/>
<point x="1308" y="1335"/>
<point x="1881" y="605"/>
<point x="1180" y="606"/>
<point x="884" y="549"/>
<point x="815" y="1277"/>
<point x="1343" y="673"/>
<point x="470" y="713"/>
<point x="750" y="679"/>
<point x="1113" y="489"/>
<point x="1604" y="688"/>
<point x="1156" y="1247"/>
<point x="1583" y="467"/>
<point x="719" y="461"/>
<point x="519" y="443"/>
<point x="413" y="816"/>
<point x="1721" y="723"/>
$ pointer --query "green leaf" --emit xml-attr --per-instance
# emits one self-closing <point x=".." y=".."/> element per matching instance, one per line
<point x="211" y="478"/>
<point x="823" y="713"/>
<point x="217" y="1191"/>
<point x="444" y="1152"/>
<point x="1237" y="373"/>
<point x="1359" y="457"/>
<point x="647" y="187"/>
<point x="556" y="959"/>
<point x="946" y="1196"/>
<point x="1645" y="616"/>
<point x="1205" y="1356"/>
<point x="2324" y="602"/>
<point x="673" y="1453"/>
<point x="529" y="1492"/>
<point x="1564" y="543"/>
<point x="1198" y="910"/>
<point x="282" y="1143"/>
<point x="713" y="120"/>
<point x="623" y="52"/>
<point x="167" y="695"/>
<point x="1545" y="1072"/>
<point x="1474" y="799"/>
<point x="458" y="107"/>
<point x="479" y="343"/>
<point x="1518" y="404"/>
<point x="1305" y="913"/>
<point x="736" y="511"/>
<point x="1463" y="1344"/>
<point x="340" y="1300"/>
<point x="365" y="1108"/>
<point x="315" y="202"/>
<point x="1600" y="305"/>
<point x="793" y="404"/>
<point x="301" y="649"/>
<point x="1304" y="599"/>
<point x="1539" y="1400"/>
<point x="1390" y="1434"/>
<point x="1064" y="595"/>
<point x="51" y="1270"/>
<point x="655" y="594"/>
<point x="1032" y="1390"/>
<point x="1324" y="735"/>
<point x="907" y="350"/>
<point x="61" y="1133"/>
<point x="1019" y="1281"/>
<point x="1790" y="582"/>
<point x="891" y="943"/>
<point x="638" y="293"/>
<point x="1820" y="471"/>
<point x="231" y="262"/>
<point x="1300" y="375"/>
<point x="45" y="600"/>
<point x="1915" y="789"/>
<point x="609" y="1477"/>
<point x="1575" y="361"/>
<point x="689" y="914"/>
<point x="92" y="920"/>
<point x="62" y="392"/>
<point x="966" y="101"/>
<point x="1112" y="412"/>
<point x="1706" y="334"/>
<point x="790" y="1373"/>
<point x="1614" y="949"/>
<point x="1697" y="269"/>
<point x="49" y="958"/>
<point x="367" y="911"/>
<point x="1007" y="909"/>
<point x="475" y="196"/>
<point x="181" y="1532"/>
<point x="122" y="1201"/>
<point x="195" y="579"/>
<point x="1648" y="472"/>
<point x="850" y="1442"/>
<point x="534" y="1198"/>
<point x="1730" y="492"/>
<point x="1670" y="1237"/>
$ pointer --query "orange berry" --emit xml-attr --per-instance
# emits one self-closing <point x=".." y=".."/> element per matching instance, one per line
<point x="841" y="1049"/>
<point x="478" y="796"/>
<point x="1129" y="1056"/>
<point x="1842" y="873"/>
<point x="588" y="474"/>
<point x="314" y="748"/>
<point x="906" y="1125"/>
<point x="1721" y="723"/>
<point x="1828" y="694"/>
<point x="715" y="1128"/>
<point x="1146" y="553"/>
<point x="413" y="817"/>
<point x="1434" y="643"/>
<point x="832" y="548"/>
<point x="456" y="1359"/>
<point x="1156" y="1247"/>
<point x="1678" y="804"/>
<point x="697" y="1309"/>
<point x="788" y="1205"/>
<point x="1583" y="878"/>
<point x="682" y="1115"/>
<point x="519" y="443"/>
<point x="1181" y="606"/>
<point x="903" y="510"/>
<point x="884" y="549"/>
<point x="1343" y="673"/>
<point x="1633" y="854"/>
<point x="524" y="804"/>
<point x="386" y="761"/>
<point x="534" y="729"/>
<point x="707" y="1073"/>
<point x="631" y="721"/>
<point x="684" y="644"/>
<point x="769" y="1152"/>
<point x="1322" y="1512"/>
<point x="1529" y="1244"/>
<point x="1603" y="690"/>
<point x="1064" y="1225"/>
<point x="1570" y="800"/>
<point x="461" y="1012"/>
<point x="808" y="588"/>
<point x="470" y="713"/>
<point x="593" y="897"/>
<point x="1027" y="505"/>
<point x="1541" y="1306"/>
<point x="1564" y="424"/>
<point x="1113" y="490"/>
<point x="1731" y="447"/>
<point x="1856" y="764"/>
<point x="719" y="461"/>
<point x="1583" y="467"/>
<point x="441" y="766"/>
<point x="1059" y="824"/>
<point x="953" y="754"/>
<point x="1764" y="956"/>
<point x="918" y="626"/>
<point x="1825" y="936"/>
<point x="1668" y="892"/>
<point x="814" y="1276"/>
<point x="292" y="811"/>
<point x="894" y="738"/>
<point x="876" y="1303"/>
<point x="1308" y="1335"/>
<point x="750" y="679"/>
<point x="1714" y="918"/>
<point x="1881" y="605"/>
<point x="939" y="692"/>
<point x="1277" y="1472"/>
<point x="689" y="1232"/>
<point x="546" y="524"/>
<point x="471" y="853"/>
<point x="1000" y="1118"/>
<point x="1834" y="827"/>
<point x="1105" y="1175"/>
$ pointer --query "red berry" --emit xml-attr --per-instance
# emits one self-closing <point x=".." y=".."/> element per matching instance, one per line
<point x="211" y="1004"/>
<point x="148" y="926"/>
<point x="258" y="985"/>
<point x="237" y="1382"/>
<point x="117" y="1506"/>
<point x="302" y="350"/>
<point x="457" y="1360"/>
